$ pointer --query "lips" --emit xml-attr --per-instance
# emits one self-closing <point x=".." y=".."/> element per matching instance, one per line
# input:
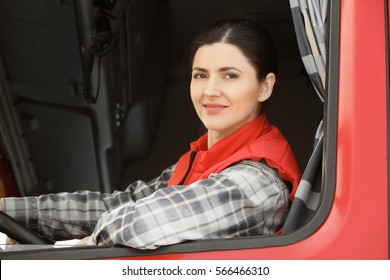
<point x="214" y="108"/>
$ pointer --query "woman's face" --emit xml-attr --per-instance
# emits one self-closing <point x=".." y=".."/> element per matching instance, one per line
<point x="225" y="90"/>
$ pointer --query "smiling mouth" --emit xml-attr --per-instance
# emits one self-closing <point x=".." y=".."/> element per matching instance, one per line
<point x="214" y="108"/>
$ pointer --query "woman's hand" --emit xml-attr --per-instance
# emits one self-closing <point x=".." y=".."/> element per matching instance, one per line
<point x="84" y="241"/>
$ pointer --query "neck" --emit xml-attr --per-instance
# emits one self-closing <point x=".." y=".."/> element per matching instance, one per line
<point x="213" y="137"/>
<point x="216" y="135"/>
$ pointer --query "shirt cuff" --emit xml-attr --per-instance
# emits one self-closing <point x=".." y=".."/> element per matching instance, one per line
<point x="92" y="240"/>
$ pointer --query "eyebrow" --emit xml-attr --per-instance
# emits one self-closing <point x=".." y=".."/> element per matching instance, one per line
<point x="222" y="69"/>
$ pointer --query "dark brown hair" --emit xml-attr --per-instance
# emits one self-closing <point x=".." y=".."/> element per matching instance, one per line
<point x="254" y="41"/>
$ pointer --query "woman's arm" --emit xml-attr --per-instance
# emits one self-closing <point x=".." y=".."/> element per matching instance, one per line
<point x="74" y="215"/>
<point x="245" y="199"/>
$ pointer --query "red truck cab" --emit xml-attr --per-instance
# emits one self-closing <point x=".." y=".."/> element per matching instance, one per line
<point x="352" y="219"/>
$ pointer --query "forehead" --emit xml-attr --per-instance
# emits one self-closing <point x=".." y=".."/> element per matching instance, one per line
<point x="220" y="55"/>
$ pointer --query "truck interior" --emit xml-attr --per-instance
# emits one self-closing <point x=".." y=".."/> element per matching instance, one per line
<point x="95" y="94"/>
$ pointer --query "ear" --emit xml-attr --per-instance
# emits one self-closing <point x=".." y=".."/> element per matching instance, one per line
<point x="266" y="87"/>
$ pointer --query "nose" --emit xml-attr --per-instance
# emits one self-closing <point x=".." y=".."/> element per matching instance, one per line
<point x="212" y="88"/>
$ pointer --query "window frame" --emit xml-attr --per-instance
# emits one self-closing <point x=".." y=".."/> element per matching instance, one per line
<point x="387" y="29"/>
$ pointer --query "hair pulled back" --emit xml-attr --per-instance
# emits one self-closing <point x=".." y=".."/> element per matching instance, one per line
<point x="254" y="41"/>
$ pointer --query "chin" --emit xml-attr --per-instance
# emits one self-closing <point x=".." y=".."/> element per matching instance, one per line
<point x="221" y="128"/>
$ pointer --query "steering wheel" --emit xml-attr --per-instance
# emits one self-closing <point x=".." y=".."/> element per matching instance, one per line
<point x="16" y="231"/>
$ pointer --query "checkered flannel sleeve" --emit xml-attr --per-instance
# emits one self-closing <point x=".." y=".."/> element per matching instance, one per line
<point x="74" y="215"/>
<point x="243" y="200"/>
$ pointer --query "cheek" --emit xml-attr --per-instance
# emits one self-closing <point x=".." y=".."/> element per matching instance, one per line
<point x="244" y="95"/>
<point x="195" y="92"/>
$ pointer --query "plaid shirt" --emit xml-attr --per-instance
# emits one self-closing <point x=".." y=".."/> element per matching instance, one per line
<point x="246" y="199"/>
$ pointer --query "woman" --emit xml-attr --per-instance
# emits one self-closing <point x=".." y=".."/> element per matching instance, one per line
<point x="236" y="180"/>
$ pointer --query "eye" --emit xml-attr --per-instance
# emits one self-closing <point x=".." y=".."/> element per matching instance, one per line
<point x="199" y="76"/>
<point x="231" y="76"/>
